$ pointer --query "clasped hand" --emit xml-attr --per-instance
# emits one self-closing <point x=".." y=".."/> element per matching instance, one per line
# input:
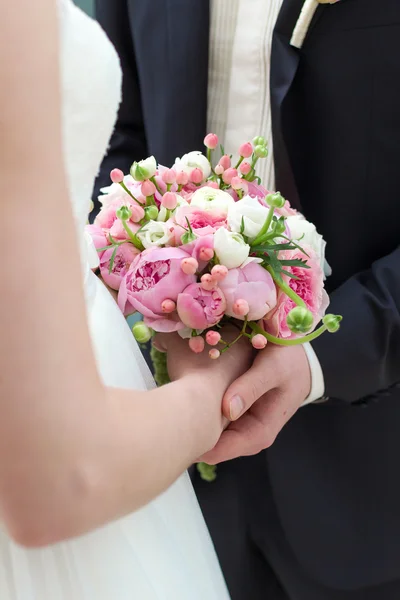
<point x="261" y="391"/>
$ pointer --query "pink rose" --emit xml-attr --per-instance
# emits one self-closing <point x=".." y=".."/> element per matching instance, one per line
<point x="98" y="236"/>
<point x="309" y="285"/>
<point x="155" y="276"/>
<point x="199" y="308"/>
<point x="124" y="257"/>
<point x="253" y="284"/>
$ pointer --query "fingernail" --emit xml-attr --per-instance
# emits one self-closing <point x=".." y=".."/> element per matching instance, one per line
<point x="236" y="407"/>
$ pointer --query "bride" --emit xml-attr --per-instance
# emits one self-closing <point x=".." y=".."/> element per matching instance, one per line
<point x="87" y="445"/>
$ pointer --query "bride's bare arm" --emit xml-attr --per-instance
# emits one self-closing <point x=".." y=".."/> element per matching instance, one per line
<point x="73" y="454"/>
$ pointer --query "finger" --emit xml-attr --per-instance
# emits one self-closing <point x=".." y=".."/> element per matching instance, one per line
<point x="248" y="388"/>
<point x="158" y="342"/>
<point x="256" y="430"/>
<point x="240" y="439"/>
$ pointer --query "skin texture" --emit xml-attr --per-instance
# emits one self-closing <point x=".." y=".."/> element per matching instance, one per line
<point x="73" y="454"/>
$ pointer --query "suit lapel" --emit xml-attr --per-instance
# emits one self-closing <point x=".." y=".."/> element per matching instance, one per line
<point x="284" y="63"/>
<point x="171" y="44"/>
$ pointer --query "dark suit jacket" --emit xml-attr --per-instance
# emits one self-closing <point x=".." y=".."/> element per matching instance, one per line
<point x="336" y="122"/>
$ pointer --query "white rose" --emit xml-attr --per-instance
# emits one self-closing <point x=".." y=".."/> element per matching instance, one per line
<point x="230" y="248"/>
<point x="208" y="198"/>
<point x="144" y="169"/>
<point x="249" y="212"/>
<point x="193" y="160"/>
<point x="154" y="233"/>
<point x="304" y="232"/>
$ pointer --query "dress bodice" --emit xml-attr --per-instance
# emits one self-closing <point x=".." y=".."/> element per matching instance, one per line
<point x="91" y="93"/>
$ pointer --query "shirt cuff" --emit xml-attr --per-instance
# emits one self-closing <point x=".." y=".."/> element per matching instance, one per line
<point x="317" y="376"/>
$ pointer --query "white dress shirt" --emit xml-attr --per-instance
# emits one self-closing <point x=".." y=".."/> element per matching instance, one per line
<point x="238" y="94"/>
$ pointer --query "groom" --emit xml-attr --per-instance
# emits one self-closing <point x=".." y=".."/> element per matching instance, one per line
<point x="317" y="515"/>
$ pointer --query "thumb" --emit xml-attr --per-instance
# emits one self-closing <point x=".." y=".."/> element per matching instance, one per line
<point x="248" y="388"/>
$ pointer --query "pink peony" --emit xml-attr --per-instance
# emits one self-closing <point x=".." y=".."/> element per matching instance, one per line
<point x="309" y="285"/>
<point x="108" y="221"/>
<point x="202" y="222"/>
<point x="98" y="236"/>
<point x="154" y="276"/>
<point x="253" y="284"/>
<point x="199" y="308"/>
<point x="124" y="257"/>
<point x="205" y="242"/>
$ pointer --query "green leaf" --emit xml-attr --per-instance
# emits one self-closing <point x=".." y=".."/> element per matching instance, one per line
<point x="222" y="149"/>
<point x="289" y="274"/>
<point x="242" y="226"/>
<point x="112" y="260"/>
<point x="295" y="262"/>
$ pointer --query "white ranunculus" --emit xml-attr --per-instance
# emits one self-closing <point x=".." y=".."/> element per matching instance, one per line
<point x="230" y="248"/>
<point x="208" y="198"/>
<point x="154" y="233"/>
<point x="144" y="169"/>
<point x="251" y="213"/>
<point x="304" y="232"/>
<point x="193" y="160"/>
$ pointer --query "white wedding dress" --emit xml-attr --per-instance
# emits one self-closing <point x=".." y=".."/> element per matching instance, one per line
<point x="163" y="551"/>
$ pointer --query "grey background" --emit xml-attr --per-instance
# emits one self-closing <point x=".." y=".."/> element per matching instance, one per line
<point x="87" y="5"/>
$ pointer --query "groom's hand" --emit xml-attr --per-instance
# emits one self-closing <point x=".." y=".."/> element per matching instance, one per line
<point x="262" y="401"/>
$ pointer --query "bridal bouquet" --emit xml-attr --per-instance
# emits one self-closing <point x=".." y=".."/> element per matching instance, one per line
<point x="195" y="245"/>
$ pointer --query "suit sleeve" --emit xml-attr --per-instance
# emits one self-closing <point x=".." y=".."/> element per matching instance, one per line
<point x="128" y="142"/>
<point x="363" y="357"/>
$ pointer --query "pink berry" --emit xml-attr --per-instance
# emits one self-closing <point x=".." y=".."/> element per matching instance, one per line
<point x="245" y="168"/>
<point x="208" y="282"/>
<point x="197" y="344"/>
<point x="196" y="176"/>
<point x="225" y="161"/>
<point x="246" y="150"/>
<point x="213" y="184"/>
<point x="117" y="176"/>
<point x="148" y="188"/>
<point x="206" y="254"/>
<point x="214" y="353"/>
<point x="219" y="272"/>
<point x="168" y="306"/>
<point x="169" y="176"/>
<point x="137" y="213"/>
<point x="259" y="341"/>
<point x="213" y="338"/>
<point x="237" y="183"/>
<point x="189" y="266"/>
<point x="219" y="169"/>
<point x="169" y="201"/>
<point x="228" y="175"/>
<point x="182" y="178"/>
<point x="211" y="141"/>
<point x="241" y="308"/>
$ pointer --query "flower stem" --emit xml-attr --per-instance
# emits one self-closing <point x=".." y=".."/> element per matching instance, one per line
<point x="153" y="179"/>
<point x="265" y="227"/>
<point x="209" y="155"/>
<point x="239" y="162"/>
<point x="122" y="184"/>
<point x="293" y="342"/>
<point x="241" y="334"/>
<point x="133" y="238"/>
<point x="286" y="289"/>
